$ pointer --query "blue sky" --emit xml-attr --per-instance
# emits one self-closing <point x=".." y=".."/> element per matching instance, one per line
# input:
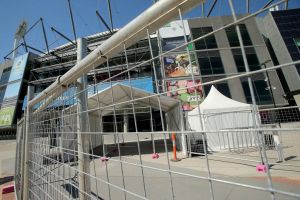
<point x="56" y="14"/>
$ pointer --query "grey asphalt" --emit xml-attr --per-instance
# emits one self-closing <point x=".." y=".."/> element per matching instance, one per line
<point x="7" y="157"/>
<point x="158" y="182"/>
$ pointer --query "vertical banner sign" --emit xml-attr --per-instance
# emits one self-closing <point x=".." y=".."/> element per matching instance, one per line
<point x="6" y="116"/>
<point x="18" y="68"/>
<point x="183" y="91"/>
<point x="12" y="91"/>
<point x="179" y="65"/>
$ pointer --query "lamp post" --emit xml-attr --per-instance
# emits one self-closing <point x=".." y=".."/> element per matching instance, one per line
<point x="270" y="88"/>
<point x="278" y="146"/>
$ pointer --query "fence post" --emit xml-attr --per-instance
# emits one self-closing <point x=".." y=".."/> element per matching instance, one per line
<point x="83" y="127"/>
<point x="27" y="144"/>
<point x="261" y="140"/>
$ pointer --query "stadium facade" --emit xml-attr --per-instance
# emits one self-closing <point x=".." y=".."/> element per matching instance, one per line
<point x="215" y="57"/>
<point x="281" y="30"/>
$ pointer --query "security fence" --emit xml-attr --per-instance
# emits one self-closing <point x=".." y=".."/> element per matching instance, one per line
<point x="121" y="142"/>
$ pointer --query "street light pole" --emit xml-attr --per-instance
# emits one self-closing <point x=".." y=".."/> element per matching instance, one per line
<point x="271" y="90"/>
<point x="269" y="82"/>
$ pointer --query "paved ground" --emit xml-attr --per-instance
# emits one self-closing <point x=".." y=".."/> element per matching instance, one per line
<point x="7" y="166"/>
<point x="286" y="176"/>
<point x="188" y="176"/>
<point x="158" y="182"/>
<point x="7" y="157"/>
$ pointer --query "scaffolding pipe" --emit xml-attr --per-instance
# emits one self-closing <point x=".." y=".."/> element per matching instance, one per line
<point x="248" y="6"/>
<point x="72" y="20"/>
<point x="62" y="35"/>
<point x="25" y="45"/>
<point x="211" y="8"/>
<point x="45" y="36"/>
<point x="83" y="127"/>
<point x="28" y="143"/>
<point x="110" y="14"/>
<point x="103" y="21"/>
<point x="153" y="18"/>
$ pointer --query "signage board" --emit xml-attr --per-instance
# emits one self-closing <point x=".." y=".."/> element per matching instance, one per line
<point x="179" y="65"/>
<point x="6" y="116"/>
<point x="178" y="89"/>
<point x="18" y="67"/>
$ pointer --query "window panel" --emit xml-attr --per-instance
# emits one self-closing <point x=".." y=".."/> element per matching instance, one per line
<point x="297" y="42"/>
<point x="5" y="75"/>
<point x="252" y="62"/>
<point x="221" y="87"/>
<point x="204" y="66"/>
<point x="233" y="37"/>
<point x="206" y="43"/>
<point x="210" y="64"/>
<point x="262" y="95"/>
<point x="2" y="92"/>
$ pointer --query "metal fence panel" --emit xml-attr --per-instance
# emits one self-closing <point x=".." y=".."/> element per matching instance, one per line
<point x="119" y="142"/>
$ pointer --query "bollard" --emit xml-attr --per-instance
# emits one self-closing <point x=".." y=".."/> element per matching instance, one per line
<point x="261" y="168"/>
<point x="174" y="147"/>
<point x="155" y="156"/>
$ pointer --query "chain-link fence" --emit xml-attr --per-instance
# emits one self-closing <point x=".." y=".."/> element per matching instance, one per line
<point x="89" y="138"/>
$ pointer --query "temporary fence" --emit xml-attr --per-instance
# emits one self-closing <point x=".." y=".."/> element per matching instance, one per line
<point x="116" y="142"/>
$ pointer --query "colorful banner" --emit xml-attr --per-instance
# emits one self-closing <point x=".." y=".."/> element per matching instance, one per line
<point x="178" y="65"/>
<point x="18" y="67"/>
<point x="12" y="91"/>
<point x="6" y="116"/>
<point x="178" y="90"/>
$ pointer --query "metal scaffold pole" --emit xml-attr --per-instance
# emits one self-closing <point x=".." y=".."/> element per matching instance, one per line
<point x="262" y="150"/>
<point x="27" y="148"/>
<point x="83" y="127"/>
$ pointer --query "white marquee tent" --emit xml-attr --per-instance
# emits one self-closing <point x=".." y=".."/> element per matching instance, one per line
<point x="218" y="112"/>
<point x="121" y="96"/>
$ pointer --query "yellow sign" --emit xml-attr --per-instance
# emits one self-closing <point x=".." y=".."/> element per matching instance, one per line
<point x="6" y="116"/>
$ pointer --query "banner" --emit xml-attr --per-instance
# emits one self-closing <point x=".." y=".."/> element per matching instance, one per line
<point x="12" y="91"/>
<point x="6" y="116"/>
<point x="18" y="67"/>
<point x="178" y="65"/>
<point x="187" y="96"/>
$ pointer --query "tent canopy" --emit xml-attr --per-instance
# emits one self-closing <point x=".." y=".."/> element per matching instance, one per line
<point x="217" y="102"/>
<point x="120" y="95"/>
<point x="218" y="112"/>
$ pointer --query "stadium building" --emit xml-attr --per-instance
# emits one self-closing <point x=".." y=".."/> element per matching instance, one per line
<point x="215" y="57"/>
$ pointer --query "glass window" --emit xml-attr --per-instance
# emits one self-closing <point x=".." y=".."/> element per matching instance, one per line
<point x="261" y="92"/>
<point x="171" y="43"/>
<point x="205" y="66"/>
<point x="216" y="65"/>
<point x="297" y="42"/>
<point x="2" y="92"/>
<point x="206" y="43"/>
<point x="5" y="75"/>
<point x="222" y="87"/>
<point x="12" y="90"/>
<point x="252" y="62"/>
<point x="233" y="37"/>
<point x="210" y="63"/>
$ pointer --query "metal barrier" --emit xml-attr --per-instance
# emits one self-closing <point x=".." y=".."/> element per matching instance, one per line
<point x="115" y="143"/>
<point x="19" y="164"/>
